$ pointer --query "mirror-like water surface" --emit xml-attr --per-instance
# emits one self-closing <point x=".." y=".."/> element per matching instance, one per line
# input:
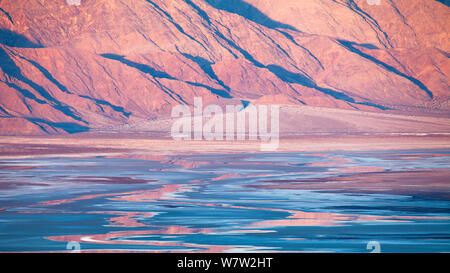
<point x="280" y="202"/>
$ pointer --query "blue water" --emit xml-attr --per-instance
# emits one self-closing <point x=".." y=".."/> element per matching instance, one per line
<point x="275" y="202"/>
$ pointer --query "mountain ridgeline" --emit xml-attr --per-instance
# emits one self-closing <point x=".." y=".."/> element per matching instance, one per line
<point x="110" y="64"/>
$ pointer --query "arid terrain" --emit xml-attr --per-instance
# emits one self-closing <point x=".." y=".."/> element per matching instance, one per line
<point x="29" y="147"/>
<point x="110" y="65"/>
<point x="88" y="158"/>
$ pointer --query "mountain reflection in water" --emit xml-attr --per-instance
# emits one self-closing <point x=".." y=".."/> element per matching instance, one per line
<point x="273" y="202"/>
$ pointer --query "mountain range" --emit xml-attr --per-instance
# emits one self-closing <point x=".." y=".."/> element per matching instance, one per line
<point x="121" y="65"/>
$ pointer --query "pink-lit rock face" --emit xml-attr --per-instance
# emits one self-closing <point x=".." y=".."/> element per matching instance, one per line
<point x="112" y="65"/>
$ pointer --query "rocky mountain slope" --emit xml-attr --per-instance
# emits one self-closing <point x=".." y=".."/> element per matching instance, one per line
<point x="112" y="64"/>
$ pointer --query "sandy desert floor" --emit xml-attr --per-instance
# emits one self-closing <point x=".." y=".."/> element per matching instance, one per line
<point x="88" y="144"/>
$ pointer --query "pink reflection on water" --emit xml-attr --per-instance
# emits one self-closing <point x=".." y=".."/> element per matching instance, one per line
<point x="126" y="238"/>
<point x="84" y="197"/>
<point x="167" y="195"/>
<point x="367" y="176"/>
